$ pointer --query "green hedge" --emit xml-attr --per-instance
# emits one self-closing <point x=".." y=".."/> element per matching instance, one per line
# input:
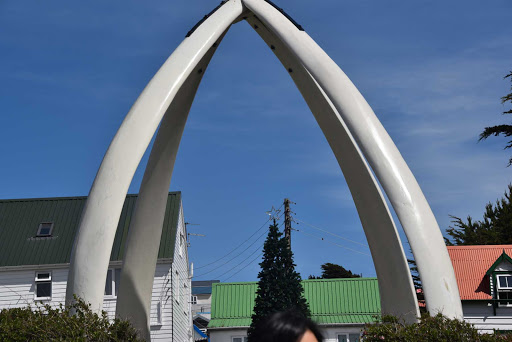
<point x="44" y="323"/>
<point x="429" y="329"/>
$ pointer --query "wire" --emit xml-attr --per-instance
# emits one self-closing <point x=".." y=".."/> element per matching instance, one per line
<point x="241" y="262"/>
<point x="240" y="245"/>
<point x="328" y="232"/>
<point x="216" y="268"/>
<point x="333" y="243"/>
<point x="253" y="260"/>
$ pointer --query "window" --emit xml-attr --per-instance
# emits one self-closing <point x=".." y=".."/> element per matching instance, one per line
<point x="43" y="284"/>
<point x="239" y="339"/>
<point x="193" y="299"/>
<point x="182" y="244"/>
<point x="112" y="282"/>
<point x="45" y="229"/>
<point x="159" y="312"/>
<point x="177" y="287"/>
<point x="504" y="281"/>
<point x="348" y="338"/>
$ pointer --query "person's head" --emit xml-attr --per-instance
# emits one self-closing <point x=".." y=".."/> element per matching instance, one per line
<point x="286" y="326"/>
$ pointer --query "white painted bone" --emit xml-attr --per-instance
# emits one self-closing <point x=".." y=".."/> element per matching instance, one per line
<point x="145" y="231"/>
<point x="95" y="237"/>
<point x="347" y="116"/>
<point x="402" y="189"/>
<point x="397" y="293"/>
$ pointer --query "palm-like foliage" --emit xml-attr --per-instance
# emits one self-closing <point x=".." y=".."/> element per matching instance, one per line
<point x="505" y="130"/>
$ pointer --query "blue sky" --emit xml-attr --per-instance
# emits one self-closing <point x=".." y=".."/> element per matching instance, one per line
<point x="432" y="71"/>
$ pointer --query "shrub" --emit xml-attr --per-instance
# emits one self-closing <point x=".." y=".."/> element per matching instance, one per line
<point x="44" y="323"/>
<point x="430" y="328"/>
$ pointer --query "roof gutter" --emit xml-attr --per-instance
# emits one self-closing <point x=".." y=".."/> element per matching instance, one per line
<point x="66" y="265"/>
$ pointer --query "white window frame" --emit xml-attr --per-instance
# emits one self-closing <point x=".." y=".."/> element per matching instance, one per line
<point x="38" y="281"/>
<point x="347" y="335"/>
<point x="503" y="289"/>
<point x="193" y="299"/>
<point x="498" y="281"/>
<point x="243" y="338"/>
<point x="114" y="282"/>
<point x="341" y="334"/>
<point x="41" y="227"/>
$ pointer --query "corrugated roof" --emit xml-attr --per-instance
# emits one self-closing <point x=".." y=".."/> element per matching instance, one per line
<point x="331" y="301"/>
<point x="20" y="219"/>
<point x="470" y="264"/>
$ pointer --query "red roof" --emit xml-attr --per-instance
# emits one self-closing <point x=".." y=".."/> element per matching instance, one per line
<point x="470" y="264"/>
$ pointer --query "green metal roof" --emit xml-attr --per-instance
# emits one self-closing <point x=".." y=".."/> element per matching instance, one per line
<point x="331" y="301"/>
<point x="20" y="219"/>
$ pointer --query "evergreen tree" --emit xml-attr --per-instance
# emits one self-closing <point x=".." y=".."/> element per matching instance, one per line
<point x="505" y="130"/>
<point x="494" y="229"/>
<point x="333" y="271"/>
<point x="279" y="286"/>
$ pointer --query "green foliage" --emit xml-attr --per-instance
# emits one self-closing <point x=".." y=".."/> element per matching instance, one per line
<point x="505" y="130"/>
<point x="494" y="229"/>
<point x="429" y="329"/>
<point x="279" y="286"/>
<point x="44" y="323"/>
<point x="333" y="271"/>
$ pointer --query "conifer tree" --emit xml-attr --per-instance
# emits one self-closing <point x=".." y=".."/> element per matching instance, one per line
<point x="279" y="286"/>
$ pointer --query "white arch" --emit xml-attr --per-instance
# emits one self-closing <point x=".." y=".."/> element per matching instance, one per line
<point x="413" y="211"/>
<point x="343" y="115"/>
<point x="397" y="293"/>
<point x="95" y="236"/>
<point x="145" y="231"/>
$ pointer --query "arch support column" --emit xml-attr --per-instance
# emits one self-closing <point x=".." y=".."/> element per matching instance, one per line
<point x="402" y="189"/>
<point x="397" y="293"/>
<point x="94" y="240"/>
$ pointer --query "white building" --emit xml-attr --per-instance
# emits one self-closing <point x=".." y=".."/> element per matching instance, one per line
<point x="36" y="238"/>
<point x="201" y="306"/>
<point x="341" y="308"/>
<point x="484" y="278"/>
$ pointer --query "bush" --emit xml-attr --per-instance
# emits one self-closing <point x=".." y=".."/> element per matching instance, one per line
<point x="44" y="323"/>
<point x="437" y="328"/>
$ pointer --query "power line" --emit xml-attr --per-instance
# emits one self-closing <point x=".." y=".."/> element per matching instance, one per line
<point x="250" y="263"/>
<point x="216" y="268"/>
<point x="240" y="270"/>
<point x="333" y="243"/>
<point x="240" y="245"/>
<point x="241" y="262"/>
<point x="328" y="232"/>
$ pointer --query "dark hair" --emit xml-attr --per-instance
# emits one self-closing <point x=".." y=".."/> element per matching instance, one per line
<point x="285" y="326"/>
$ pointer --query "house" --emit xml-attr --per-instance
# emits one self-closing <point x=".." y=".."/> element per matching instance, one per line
<point x="484" y="278"/>
<point x="201" y="306"/>
<point x="36" y="238"/>
<point x="341" y="307"/>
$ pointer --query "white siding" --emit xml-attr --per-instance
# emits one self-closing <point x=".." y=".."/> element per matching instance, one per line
<point x="481" y="315"/>
<point x="330" y="333"/>
<point x="17" y="288"/>
<point x="181" y="301"/>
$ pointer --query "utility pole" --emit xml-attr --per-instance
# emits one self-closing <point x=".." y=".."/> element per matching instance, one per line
<point x="287" y="222"/>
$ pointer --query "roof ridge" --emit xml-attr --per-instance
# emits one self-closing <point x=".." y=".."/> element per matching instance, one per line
<point x="480" y="246"/>
<point x="34" y="199"/>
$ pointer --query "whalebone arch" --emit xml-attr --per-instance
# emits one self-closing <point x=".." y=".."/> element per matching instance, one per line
<point x="354" y="133"/>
